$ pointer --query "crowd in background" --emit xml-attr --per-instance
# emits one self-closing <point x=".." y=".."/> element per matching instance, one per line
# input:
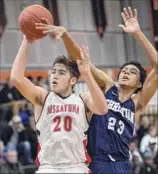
<point x="18" y="138"/>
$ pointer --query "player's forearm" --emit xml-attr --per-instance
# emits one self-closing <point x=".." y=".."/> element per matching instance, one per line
<point x="97" y="76"/>
<point x="73" y="50"/>
<point x="96" y="94"/>
<point x="71" y="46"/>
<point x="148" y="47"/>
<point x="18" y="68"/>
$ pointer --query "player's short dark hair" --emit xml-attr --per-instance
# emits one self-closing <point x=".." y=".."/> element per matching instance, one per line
<point x="143" y="73"/>
<point x="70" y="65"/>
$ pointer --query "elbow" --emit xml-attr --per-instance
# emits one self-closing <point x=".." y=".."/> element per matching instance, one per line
<point x="103" y="110"/>
<point x="13" y="80"/>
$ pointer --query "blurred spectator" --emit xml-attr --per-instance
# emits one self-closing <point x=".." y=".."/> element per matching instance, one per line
<point x="41" y="82"/>
<point x="143" y="127"/>
<point x="20" y="140"/>
<point x="6" y="132"/>
<point x="152" y="120"/>
<point x="32" y="137"/>
<point x="136" y="164"/>
<point x="24" y="113"/>
<point x="1" y="153"/>
<point x="134" y="151"/>
<point x="156" y="160"/>
<point x="30" y="108"/>
<point x="148" y="167"/>
<point x="150" y="141"/>
<point x="11" y="164"/>
<point x="136" y="158"/>
<point x="8" y="94"/>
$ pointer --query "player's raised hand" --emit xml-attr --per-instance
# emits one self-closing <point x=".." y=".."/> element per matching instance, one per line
<point x="47" y="28"/>
<point x="84" y="63"/>
<point x="130" y="19"/>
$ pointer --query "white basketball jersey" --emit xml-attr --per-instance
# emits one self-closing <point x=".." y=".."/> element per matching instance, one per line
<point x="62" y="125"/>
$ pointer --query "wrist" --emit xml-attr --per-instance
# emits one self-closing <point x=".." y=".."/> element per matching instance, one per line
<point x="136" y="33"/>
<point x="25" y="40"/>
<point x="65" y="32"/>
<point x="86" y="76"/>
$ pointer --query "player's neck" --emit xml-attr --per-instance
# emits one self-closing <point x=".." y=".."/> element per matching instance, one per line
<point x="65" y="94"/>
<point x="125" y="94"/>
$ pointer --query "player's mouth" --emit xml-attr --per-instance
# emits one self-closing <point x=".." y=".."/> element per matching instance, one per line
<point x="54" y="83"/>
<point x="124" y="78"/>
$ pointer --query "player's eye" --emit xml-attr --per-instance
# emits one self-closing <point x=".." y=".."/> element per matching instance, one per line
<point x="133" y="72"/>
<point x="123" y="70"/>
<point x="61" y="73"/>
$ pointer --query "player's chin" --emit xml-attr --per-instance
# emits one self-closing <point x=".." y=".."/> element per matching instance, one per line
<point x="124" y="83"/>
<point x="54" y="89"/>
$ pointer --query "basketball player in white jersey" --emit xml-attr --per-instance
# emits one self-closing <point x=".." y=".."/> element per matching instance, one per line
<point x="60" y="114"/>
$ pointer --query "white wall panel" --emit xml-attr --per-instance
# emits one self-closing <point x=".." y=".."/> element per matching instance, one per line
<point x="113" y="48"/>
<point x="143" y="13"/>
<point x="9" y="46"/>
<point x="81" y="87"/>
<point x="76" y="15"/>
<point x="141" y="56"/>
<point x="113" y="14"/>
<point x="88" y="16"/>
<point x="11" y="13"/>
<point x="63" y="9"/>
<point x="47" y="49"/>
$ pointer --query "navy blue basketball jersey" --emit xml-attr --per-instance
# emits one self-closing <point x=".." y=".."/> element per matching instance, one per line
<point x="109" y="135"/>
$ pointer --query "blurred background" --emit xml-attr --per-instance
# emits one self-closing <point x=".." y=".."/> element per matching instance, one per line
<point x="90" y="22"/>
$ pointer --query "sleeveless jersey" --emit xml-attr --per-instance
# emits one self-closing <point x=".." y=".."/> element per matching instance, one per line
<point x="62" y="126"/>
<point x="109" y="135"/>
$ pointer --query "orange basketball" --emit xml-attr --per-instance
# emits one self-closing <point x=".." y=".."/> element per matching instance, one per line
<point x="31" y="15"/>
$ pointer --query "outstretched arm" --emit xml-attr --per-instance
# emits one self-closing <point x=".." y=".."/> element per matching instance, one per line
<point x="73" y="49"/>
<point x="34" y="94"/>
<point x="132" y="26"/>
<point x="95" y="100"/>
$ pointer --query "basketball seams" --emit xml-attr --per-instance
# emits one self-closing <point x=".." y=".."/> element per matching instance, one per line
<point x="38" y="33"/>
<point x="28" y="32"/>
<point x="46" y="10"/>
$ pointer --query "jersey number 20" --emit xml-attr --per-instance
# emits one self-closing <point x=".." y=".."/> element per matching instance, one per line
<point x="67" y="123"/>
<point x="112" y="123"/>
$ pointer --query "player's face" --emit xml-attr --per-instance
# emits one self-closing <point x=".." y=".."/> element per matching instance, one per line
<point x="60" y="79"/>
<point x="130" y="77"/>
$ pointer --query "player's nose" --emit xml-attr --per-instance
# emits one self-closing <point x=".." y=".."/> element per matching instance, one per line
<point x="127" y="72"/>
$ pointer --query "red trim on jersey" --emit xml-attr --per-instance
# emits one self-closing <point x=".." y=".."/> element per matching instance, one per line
<point x="37" y="160"/>
<point x="42" y="108"/>
<point x="89" y="172"/>
<point x="88" y="159"/>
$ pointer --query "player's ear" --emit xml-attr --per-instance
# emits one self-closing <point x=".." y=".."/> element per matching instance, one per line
<point x="139" y="85"/>
<point x="73" y="81"/>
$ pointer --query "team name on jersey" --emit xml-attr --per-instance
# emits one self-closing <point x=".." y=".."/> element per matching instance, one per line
<point x="126" y="113"/>
<point x="63" y="108"/>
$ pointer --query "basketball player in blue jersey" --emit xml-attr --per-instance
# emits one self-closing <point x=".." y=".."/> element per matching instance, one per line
<point x="109" y="136"/>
